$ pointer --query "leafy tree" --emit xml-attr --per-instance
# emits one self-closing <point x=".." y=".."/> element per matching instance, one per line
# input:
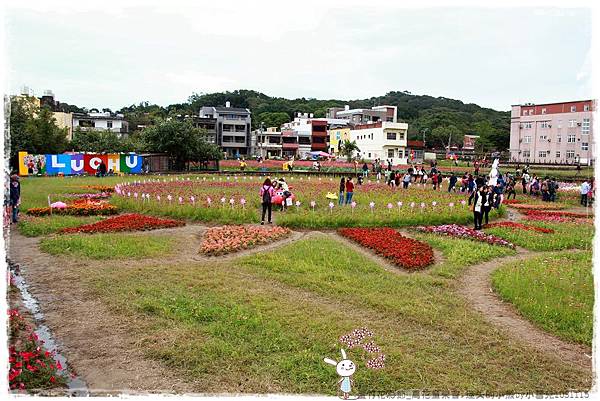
<point x="101" y="142"/>
<point x="181" y="141"/>
<point x="33" y="129"/>
<point x="440" y="137"/>
<point x="419" y="111"/>
<point x="348" y="149"/>
<point x="272" y="119"/>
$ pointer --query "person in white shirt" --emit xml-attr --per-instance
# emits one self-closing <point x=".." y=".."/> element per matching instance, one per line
<point x="585" y="188"/>
<point x="286" y="192"/>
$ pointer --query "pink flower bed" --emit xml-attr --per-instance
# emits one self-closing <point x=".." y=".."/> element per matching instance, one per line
<point x="558" y="217"/>
<point x="227" y="239"/>
<point x="454" y="230"/>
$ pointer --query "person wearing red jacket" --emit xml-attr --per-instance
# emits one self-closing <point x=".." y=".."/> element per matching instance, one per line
<point x="349" y="190"/>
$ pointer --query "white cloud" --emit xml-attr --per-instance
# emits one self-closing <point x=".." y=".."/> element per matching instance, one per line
<point x="199" y="80"/>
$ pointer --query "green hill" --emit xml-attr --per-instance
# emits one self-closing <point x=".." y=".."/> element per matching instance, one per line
<point x="440" y="118"/>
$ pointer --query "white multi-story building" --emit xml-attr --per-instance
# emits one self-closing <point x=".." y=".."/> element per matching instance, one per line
<point x="364" y="116"/>
<point x="101" y="121"/>
<point x="553" y="133"/>
<point x="267" y="143"/>
<point x="381" y="140"/>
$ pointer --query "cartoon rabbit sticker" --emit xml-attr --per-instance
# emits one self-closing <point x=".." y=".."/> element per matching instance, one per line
<point x="344" y="368"/>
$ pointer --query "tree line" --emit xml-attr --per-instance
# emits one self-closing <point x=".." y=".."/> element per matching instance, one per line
<point x="154" y="128"/>
<point x="33" y="129"/>
<point x="441" y="120"/>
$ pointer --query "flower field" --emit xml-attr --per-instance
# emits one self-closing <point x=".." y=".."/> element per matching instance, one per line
<point x="228" y="239"/>
<point x="260" y="322"/>
<point x="558" y="217"/>
<point x="124" y="222"/>
<point x="235" y="199"/>
<point x="76" y="209"/>
<point x="531" y="206"/>
<point x="402" y="251"/>
<point x="519" y="226"/>
<point x="454" y="230"/>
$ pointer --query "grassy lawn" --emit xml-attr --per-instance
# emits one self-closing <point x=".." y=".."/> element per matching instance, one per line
<point x="459" y="253"/>
<point x="35" y="190"/>
<point x="264" y="323"/>
<point x="108" y="246"/>
<point x="566" y="236"/>
<point x="556" y="291"/>
<point x="37" y="226"/>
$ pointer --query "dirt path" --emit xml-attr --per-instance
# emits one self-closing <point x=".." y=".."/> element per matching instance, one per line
<point x="475" y="286"/>
<point x="95" y="340"/>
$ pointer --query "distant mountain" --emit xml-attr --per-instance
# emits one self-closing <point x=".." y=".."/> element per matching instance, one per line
<point x="442" y="120"/>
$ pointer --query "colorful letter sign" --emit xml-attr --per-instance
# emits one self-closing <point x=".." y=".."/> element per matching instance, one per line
<point x="72" y="164"/>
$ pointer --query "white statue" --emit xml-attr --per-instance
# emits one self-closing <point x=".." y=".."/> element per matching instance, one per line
<point x="494" y="173"/>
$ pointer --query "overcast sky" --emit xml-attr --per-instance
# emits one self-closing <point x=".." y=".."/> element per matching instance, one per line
<point x="111" y="55"/>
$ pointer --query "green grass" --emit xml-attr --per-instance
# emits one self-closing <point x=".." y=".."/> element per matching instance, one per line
<point x="566" y="236"/>
<point x="556" y="291"/>
<point x="35" y="190"/>
<point x="264" y="324"/>
<point x="108" y="246"/>
<point x="38" y="226"/>
<point x="459" y="253"/>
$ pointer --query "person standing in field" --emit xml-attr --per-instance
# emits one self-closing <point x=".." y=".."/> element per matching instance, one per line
<point x="15" y="197"/>
<point x="488" y="202"/>
<point x="406" y="180"/>
<point x="585" y="189"/>
<point x="476" y="201"/>
<point x="524" y="180"/>
<point x="452" y="182"/>
<point x="434" y="180"/>
<point x="266" y="194"/>
<point x="342" y="188"/>
<point x="349" y="190"/>
<point x="510" y="189"/>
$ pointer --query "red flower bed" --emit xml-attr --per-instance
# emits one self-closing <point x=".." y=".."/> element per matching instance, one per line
<point x="509" y="224"/>
<point x="510" y="201"/>
<point x="547" y="206"/>
<point x="558" y="217"/>
<point x="124" y="222"/>
<point x="79" y="209"/>
<point x="404" y="252"/>
<point x="558" y="214"/>
<point x="227" y="239"/>
<point x="101" y="188"/>
<point x="30" y="366"/>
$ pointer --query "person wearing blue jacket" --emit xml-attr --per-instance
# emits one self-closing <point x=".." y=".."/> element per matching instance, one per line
<point x="15" y="197"/>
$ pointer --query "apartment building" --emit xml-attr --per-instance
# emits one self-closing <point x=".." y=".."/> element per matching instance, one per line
<point x="310" y="134"/>
<point x="101" y="121"/>
<point x="381" y="140"/>
<point x="232" y="130"/>
<point x="267" y="143"/>
<point x="364" y="116"/>
<point x="555" y="133"/>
